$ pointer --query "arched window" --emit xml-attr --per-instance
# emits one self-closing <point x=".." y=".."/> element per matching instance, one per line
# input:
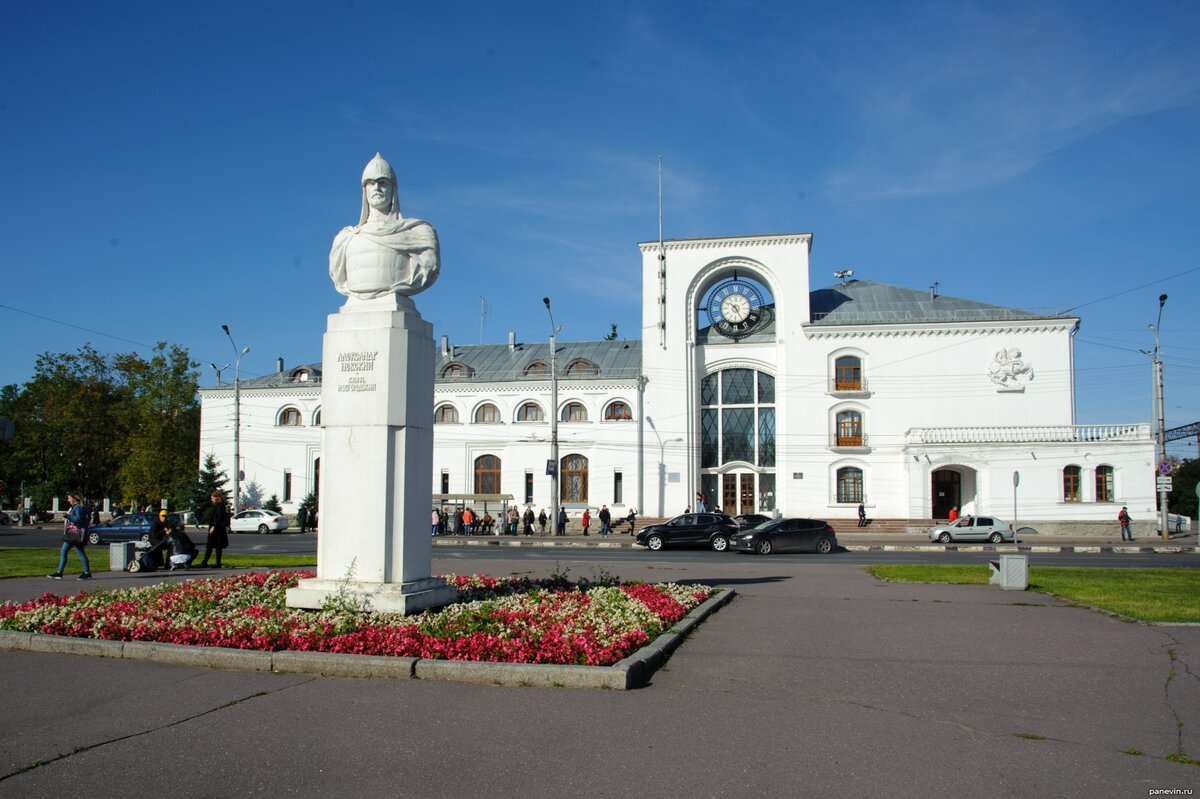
<point x="445" y="414"/>
<point x="289" y="417"/>
<point x="849" y="484"/>
<point x="849" y="429"/>
<point x="737" y="422"/>
<point x="574" y="483"/>
<point x="618" y="412"/>
<point x="847" y="373"/>
<point x="301" y="375"/>
<point x="574" y="412"/>
<point x="1071" y="483"/>
<point x="537" y="369"/>
<point x="487" y="474"/>
<point x="530" y="412"/>
<point x="582" y="368"/>
<point x="487" y="413"/>
<point x="456" y="371"/>
<point x="317" y="418"/>
<point x="1105" y="491"/>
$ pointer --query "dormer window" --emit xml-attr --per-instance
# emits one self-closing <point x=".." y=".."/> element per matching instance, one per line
<point x="582" y="367"/>
<point x="537" y="369"/>
<point x="457" y="371"/>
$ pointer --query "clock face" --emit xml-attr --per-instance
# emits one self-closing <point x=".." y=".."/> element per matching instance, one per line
<point x="735" y="309"/>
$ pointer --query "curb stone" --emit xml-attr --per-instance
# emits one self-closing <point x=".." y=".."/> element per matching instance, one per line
<point x="623" y="675"/>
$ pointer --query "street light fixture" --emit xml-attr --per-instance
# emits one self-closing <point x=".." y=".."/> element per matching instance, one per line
<point x="237" y="421"/>
<point x="218" y="370"/>
<point x="1162" y="423"/>
<point x="554" y="330"/>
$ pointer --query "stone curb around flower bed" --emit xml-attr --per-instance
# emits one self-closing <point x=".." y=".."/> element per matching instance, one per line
<point x="623" y="675"/>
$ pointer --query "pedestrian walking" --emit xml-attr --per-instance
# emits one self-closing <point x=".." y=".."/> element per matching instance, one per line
<point x="218" y="530"/>
<point x="586" y="520"/>
<point x="528" y="519"/>
<point x="435" y="521"/>
<point x="700" y="506"/>
<point x="74" y="537"/>
<point x="632" y="519"/>
<point x="302" y="518"/>
<point x="862" y="515"/>
<point x="605" y="520"/>
<point x="562" y="522"/>
<point x="1124" y="519"/>
<point x="542" y="519"/>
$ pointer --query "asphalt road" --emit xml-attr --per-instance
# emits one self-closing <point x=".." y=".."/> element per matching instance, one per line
<point x="815" y="681"/>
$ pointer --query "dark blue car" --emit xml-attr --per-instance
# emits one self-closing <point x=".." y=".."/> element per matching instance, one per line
<point x="128" y="527"/>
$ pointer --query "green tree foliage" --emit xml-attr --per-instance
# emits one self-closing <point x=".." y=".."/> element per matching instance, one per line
<point x="162" y="411"/>
<point x="612" y="334"/>
<point x="1182" y="498"/>
<point x="115" y="426"/>
<point x="211" y="478"/>
<point x="310" y="500"/>
<point x="272" y="503"/>
<point x="252" y="495"/>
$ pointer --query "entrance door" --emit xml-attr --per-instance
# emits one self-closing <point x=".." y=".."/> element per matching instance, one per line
<point x="946" y="488"/>
<point x="737" y="493"/>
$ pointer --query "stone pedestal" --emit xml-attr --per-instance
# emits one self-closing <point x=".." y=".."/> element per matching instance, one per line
<point x="376" y="458"/>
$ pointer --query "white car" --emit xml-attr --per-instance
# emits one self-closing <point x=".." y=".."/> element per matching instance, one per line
<point x="259" y="521"/>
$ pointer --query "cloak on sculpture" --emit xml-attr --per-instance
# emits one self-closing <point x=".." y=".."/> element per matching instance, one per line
<point x="384" y="253"/>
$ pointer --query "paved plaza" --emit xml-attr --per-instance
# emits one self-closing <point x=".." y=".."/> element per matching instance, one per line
<point x="817" y="680"/>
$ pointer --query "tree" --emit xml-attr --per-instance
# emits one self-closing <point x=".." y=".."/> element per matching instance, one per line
<point x="272" y="503"/>
<point x="162" y="416"/>
<point x="211" y="478"/>
<point x="1182" y="499"/>
<point x="310" y="501"/>
<point x="252" y="495"/>
<point x="612" y="334"/>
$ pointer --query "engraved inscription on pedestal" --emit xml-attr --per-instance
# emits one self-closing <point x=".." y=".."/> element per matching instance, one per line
<point x="356" y="371"/>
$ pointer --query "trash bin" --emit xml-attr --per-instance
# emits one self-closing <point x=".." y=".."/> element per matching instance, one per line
<point x="120" y="555"/>
<point x="1011" y="572"/>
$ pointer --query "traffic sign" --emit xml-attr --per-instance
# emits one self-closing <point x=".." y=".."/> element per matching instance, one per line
<point x="1164" y="483"/>
<point x="1164" y="467"/>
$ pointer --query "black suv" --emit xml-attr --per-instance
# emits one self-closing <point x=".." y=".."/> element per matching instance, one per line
<point x="691" y="529"/>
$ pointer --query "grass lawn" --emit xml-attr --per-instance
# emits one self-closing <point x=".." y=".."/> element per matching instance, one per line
<point x="40" y="561"/>
<point x="1160" y="595"/>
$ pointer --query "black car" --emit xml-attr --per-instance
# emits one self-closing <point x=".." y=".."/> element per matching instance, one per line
<point x="748" y="520"/>
<point x="787" y="535"/>
<point x="691" y="529"/>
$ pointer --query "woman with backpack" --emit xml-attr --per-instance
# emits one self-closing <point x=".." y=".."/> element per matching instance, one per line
<point x="75" y="536"/>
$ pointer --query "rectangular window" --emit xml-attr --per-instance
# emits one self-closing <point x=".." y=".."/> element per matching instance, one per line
<point x="287" y="485"/>
<point x="528" y="488"/>
<point x="1104" y="484"/>
<point x="618" y="489"/>
<point x="1071" y="484"/>
<point x="445" y="483"/>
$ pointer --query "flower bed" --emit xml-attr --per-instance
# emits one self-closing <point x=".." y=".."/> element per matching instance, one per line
<point x="515" y="620"/>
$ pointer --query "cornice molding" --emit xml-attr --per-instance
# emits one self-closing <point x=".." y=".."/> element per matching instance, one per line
<point x="730" y="242"/>
<point x="956" y="329"/>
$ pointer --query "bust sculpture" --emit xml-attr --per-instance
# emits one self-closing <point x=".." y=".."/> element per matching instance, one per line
<point x="384" y="253"/>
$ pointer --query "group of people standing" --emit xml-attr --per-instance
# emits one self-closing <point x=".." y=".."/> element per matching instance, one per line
<point x="465" y="521"/>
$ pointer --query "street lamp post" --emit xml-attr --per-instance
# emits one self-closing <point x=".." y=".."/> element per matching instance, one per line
<point x="1162" y="423"/>
<point x="237" y="421"/>
<point x="662" y="464"/>
<point x="554" y="490"/>
<point x="218" y="370"/>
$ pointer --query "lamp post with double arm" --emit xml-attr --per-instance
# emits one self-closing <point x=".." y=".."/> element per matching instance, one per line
<point x="237" y="421"/>
<point x="554" y="477"/>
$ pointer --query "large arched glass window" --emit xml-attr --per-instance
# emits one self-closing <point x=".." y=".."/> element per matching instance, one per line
<point x="1104" y="484"/>
<point x="1071" y="483"/>
<point x="289" y="417"/>
<point x="445" y="414"/>
<point x="487" y="474"/>
<point x="574" y="412"/>
<point x="487" y="413"/>
<point x="849" y="484"/>
<point x="574" y="482"/>
<point x="737" y="418"/>
<point x="530" y="412"/>
<point x="849" y="429"/>
<point x="618" y="412"/>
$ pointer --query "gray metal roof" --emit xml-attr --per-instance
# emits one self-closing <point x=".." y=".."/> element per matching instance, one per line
<point x="284" y="378"/>
<point x="864" y="302"/>
<point x="613" y="359"/>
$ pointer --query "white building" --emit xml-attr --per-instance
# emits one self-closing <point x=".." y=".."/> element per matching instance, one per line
<point x="762" y="394"/>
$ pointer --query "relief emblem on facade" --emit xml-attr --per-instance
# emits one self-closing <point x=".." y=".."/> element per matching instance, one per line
<point x="1009" y="371"/>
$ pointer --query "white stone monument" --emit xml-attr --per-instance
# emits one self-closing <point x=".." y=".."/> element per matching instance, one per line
<point x="377" y="414"/>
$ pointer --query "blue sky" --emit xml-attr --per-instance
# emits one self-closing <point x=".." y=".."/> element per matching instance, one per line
<point x="170" y="167"/>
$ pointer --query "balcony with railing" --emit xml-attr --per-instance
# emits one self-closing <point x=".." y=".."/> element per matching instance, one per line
<point x="847" y="441"/>
<point x="848" y="386"/>
<point x="1029" y="434"/>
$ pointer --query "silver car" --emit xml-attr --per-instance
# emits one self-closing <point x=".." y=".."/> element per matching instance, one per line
<point x="973" y="528"/>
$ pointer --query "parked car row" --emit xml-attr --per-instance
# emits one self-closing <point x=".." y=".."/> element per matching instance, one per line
<point x="136" y="526"/>
<point x="755" y="533"/>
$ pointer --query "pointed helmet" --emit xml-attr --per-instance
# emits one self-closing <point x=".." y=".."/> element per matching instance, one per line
<point x="376" y="169"/>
